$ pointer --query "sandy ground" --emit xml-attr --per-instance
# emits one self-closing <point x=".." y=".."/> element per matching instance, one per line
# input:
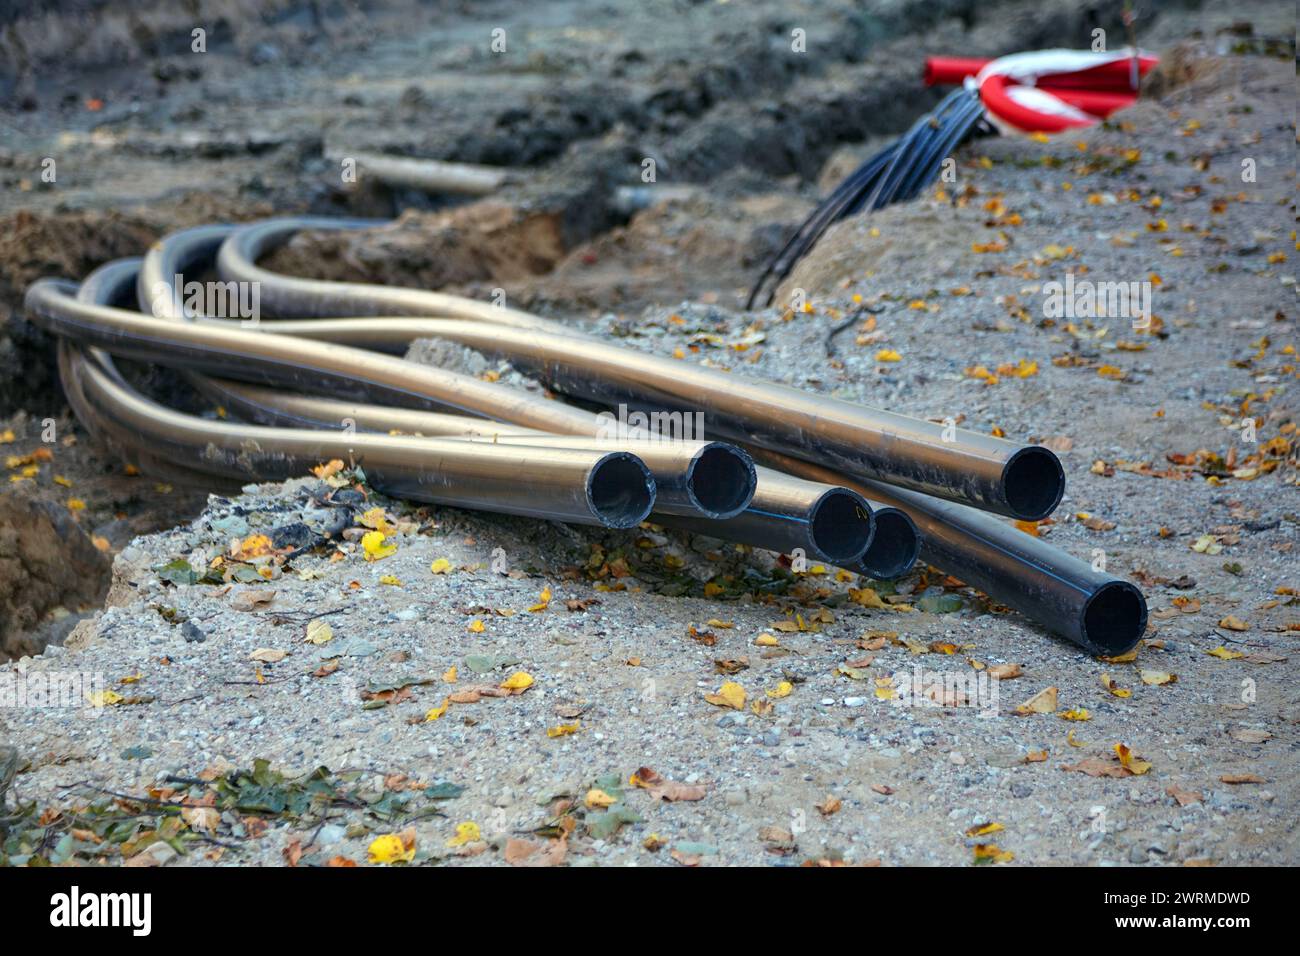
<point x="623" y="636"/>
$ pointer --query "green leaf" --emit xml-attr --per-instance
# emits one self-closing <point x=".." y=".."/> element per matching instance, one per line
<point x="941" y="603"/>
<point x="602" y="826"/>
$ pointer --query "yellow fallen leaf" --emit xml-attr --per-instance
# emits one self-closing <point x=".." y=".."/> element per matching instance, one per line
<point x="254" y="546"/>
<point x="449" y="675"/>
<point x="433" y="713"/>
<point x="543" y="601"/>
<point x="372" y="542"/>
<point x="201" y="819"/>
<point x="730" y="694"/>
<point x="1206" y="544"/>
<point x="867" y="597"/>
<point x="476" y="626"/>
<point x="990" y="853"/>
<point x="1234" y="624"/>
<point x="391" y="580"/>
<point x="1073" y="741"/>
<point x="268" y="655"/>
<point x="518" y="681"/>
<point x="1157" y="678"/>
<point x="782" y="689"/>
<point x="329" y="469"/>
<point x="1223" y="653"/>
<point x="598" y="798"/>
<point x="104" y="698"/>
<point x="375" y="519"/>
<point x="467" y="832"/>
<point x="76" y="504"/>
<point x="984" y="829"/>
<point x="563" y="730"/>
<point x="319" y="631"/>
<point x="391" y="848"/>
<point x="1044" y="702"/>
<point x="440" y="566"/>
<point x="1078" y="713"/>
<point x="889" y="355"/>
<point x="1129" y="762"/>
<point x="766" y="640"/>
<point x="1108" y="682"/>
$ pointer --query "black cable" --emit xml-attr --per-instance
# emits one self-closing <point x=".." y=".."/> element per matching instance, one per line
<point x="894" y="174"/>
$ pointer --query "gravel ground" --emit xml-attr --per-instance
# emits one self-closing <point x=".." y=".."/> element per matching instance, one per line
<point x="624" y="636"/>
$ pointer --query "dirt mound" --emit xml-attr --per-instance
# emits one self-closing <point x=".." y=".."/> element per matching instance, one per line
<point x="480" y="241"/>
<point x="46" y="562"/>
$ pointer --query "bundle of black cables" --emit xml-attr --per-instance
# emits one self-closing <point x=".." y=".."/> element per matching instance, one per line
<point x="897" y="173"/>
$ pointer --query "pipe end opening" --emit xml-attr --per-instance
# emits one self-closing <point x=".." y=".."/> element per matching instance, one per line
<point x="620" y="490"/>
<point x="842" y="526"/>
<point x="1033" y="481"/>
<point x="722" y="480"/>
<point x="1114" y="618"/>
<point x="894" y="547"/>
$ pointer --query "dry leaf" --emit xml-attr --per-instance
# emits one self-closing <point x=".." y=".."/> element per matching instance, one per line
<point x="1129" y="762"/>
<point x="517" y="682"/>
<point x="730" y="694"/>
<point x="1157" y="678"/>
<point x="662" y="788"/>
<point x="1238" y="778"/>
<point x="528" y="853"/>
<point x="205" y="819"/>
<point x="248" y="599"/>
<point x="1249" y="735"/>
<point x="1044" y="702"/>
<point x="319" y="631"/>
<point x="990" y="853"/>
<point x="467" y="832"/>
<point x="1108" y="682"/>
<point x="393" y="847"/>
<point x="1183" y="797"/>
<point x="829" y="806"/>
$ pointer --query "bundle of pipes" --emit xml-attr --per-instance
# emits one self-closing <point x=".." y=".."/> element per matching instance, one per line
<point x="851" y="486"/>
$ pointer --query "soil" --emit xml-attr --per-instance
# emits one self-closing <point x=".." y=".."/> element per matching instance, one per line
<point x="745" y="137"/>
